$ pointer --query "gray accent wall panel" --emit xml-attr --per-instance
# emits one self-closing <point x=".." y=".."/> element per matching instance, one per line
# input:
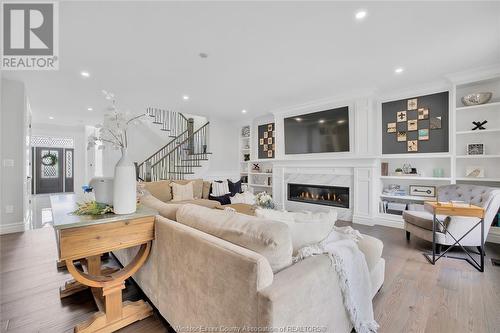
<point x="438" y="105"/>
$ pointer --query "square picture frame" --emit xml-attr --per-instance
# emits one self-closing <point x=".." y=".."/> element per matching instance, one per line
<point x="435" y="123"/>
<point x="423" y="113"/>
<point x="412" y="125"/>
<point x="423" y="134"/>
<point x="401" y="136"/>
<point x="476" y="149"/>
<point x="412" y="146"/>
<point x="401" y="116"/>
<point x="412" y="104"/>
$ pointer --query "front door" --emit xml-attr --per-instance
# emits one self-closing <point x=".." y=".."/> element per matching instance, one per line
<point x="53" y="170"/>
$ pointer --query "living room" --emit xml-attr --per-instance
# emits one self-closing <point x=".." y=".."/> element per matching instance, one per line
<point x="288" y="166"/>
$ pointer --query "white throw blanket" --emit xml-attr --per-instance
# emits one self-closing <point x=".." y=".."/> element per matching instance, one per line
<point x="354" y="277"/>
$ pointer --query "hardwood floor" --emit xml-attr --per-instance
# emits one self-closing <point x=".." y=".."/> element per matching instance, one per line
<point x="416" y="296"/>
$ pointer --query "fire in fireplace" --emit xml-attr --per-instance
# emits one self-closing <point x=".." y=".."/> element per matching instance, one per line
<point x="319" y="194"/>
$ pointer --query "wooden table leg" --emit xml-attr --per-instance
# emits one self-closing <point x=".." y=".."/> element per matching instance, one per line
<point x="115" y="314"/>
<point x="72" y="286"/>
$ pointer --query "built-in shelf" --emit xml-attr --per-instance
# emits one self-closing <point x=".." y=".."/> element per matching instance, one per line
<point x="480" y="106"/>
<point x="407" y="197"/>
<point x="478" y="156"/>
<point x="410" y="156"/>
<point x="260" y="185"/>
<point x="478" y="179"/>
<point x="416" y="178"/>
<point x="492" y="130"/>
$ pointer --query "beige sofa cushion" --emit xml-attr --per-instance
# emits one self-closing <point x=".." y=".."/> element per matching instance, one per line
<point x="268" y="238"/>
<point x="372" y="249"/>
<point x="206" y="189"/>
<point x="160" y="189"/>
<point x="306" y="228"/>
<point x="168" y="210"/>
<point x="202" y="202"/>
<point x="197" y="186"/>
<point x="423" y="219"/>
<point x="182" y="192"/>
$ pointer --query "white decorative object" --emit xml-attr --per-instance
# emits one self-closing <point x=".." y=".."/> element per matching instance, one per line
<point x="474" y="172"/>
<point x="113" y="132"/>
<point x="124" y="186"/>
<point x="103" y="189"/>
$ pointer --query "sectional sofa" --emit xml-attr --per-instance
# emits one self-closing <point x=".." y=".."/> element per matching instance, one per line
<point x="216" y="269"/>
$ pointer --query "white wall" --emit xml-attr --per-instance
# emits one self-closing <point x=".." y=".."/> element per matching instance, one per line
<point x="223" y="163"/>
<point x="13" y="117"/>
<point x="77" y="133"/>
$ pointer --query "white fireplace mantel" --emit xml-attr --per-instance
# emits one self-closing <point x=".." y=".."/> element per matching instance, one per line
<point x="357" y="174"/>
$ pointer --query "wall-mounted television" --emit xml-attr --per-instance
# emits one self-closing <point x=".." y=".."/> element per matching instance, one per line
<point x="319" y="132"/>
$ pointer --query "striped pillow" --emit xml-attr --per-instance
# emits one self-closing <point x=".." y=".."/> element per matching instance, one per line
<point x="219" y="188"/>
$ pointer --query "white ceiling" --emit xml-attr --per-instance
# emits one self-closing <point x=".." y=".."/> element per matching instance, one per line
<point x="262" y="55"/>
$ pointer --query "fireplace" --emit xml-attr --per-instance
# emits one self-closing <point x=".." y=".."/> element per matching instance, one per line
<point x="336" y="196"/>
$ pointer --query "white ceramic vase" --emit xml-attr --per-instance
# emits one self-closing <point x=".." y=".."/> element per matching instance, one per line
<point x="124" y="186"/>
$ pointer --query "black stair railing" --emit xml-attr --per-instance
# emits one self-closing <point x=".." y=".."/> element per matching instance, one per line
<point x="181" y="159"/>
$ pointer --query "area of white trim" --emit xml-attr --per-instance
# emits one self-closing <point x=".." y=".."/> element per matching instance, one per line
<point x="11" y="228"/>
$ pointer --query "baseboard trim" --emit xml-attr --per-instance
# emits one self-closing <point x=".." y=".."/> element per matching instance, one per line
<point x="389" y="223"/>
<point x="364" y="220"/>
<point x="11" y="228"/>
<point x="493" y="237"/>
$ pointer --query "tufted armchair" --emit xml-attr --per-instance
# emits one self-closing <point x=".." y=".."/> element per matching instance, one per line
<point x="419" y="223"/>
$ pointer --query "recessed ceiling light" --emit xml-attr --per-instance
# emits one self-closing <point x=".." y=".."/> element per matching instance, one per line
<point x="85" y="74"/>
<point x="298" y="119"/>
<point x="361" y="14"/>
<point x="340" y="121"/>
<point x="90" y="109"/>
<point x="185" y="97"/>
<point x="51" y="118"/>
<point x="243" y="111"/>
<point x="321" y="121"/>
<point x="399" y="70"/>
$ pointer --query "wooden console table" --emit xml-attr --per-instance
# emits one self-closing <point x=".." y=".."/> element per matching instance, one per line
<point x="86" y="238"/>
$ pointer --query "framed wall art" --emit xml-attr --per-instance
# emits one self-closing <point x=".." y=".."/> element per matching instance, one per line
<point x="266" y="141"/>
<point x="423" y="191"/>
<point x="418" y="124"/>
<point x="475" y="149"/>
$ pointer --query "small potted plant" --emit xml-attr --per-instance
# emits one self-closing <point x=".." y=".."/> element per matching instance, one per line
<point x="398" y="172"/>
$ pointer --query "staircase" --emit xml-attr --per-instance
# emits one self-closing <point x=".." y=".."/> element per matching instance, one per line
<point x="182" y="154"/>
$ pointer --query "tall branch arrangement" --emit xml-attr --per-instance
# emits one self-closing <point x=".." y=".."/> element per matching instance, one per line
<point x="113" y="130"/>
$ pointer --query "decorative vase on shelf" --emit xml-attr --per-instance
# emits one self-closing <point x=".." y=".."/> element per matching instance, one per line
<point x="124" y="186"/>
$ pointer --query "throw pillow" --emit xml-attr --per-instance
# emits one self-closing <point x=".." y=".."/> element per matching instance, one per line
<point x="245" y="198"/>
<point x="234" y="187"/>
<point x="307" y="228"/>
<point x="182" y="192"/>
<point x="220" y="187"/>
<point x="223" y="199"/>
<point x="197" y="186"/>
<point x="160" y="189"/>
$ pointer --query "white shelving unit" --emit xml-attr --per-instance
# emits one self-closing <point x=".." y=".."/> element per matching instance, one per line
<point x="490" y="137"/>
<point x="245" y="146"/>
